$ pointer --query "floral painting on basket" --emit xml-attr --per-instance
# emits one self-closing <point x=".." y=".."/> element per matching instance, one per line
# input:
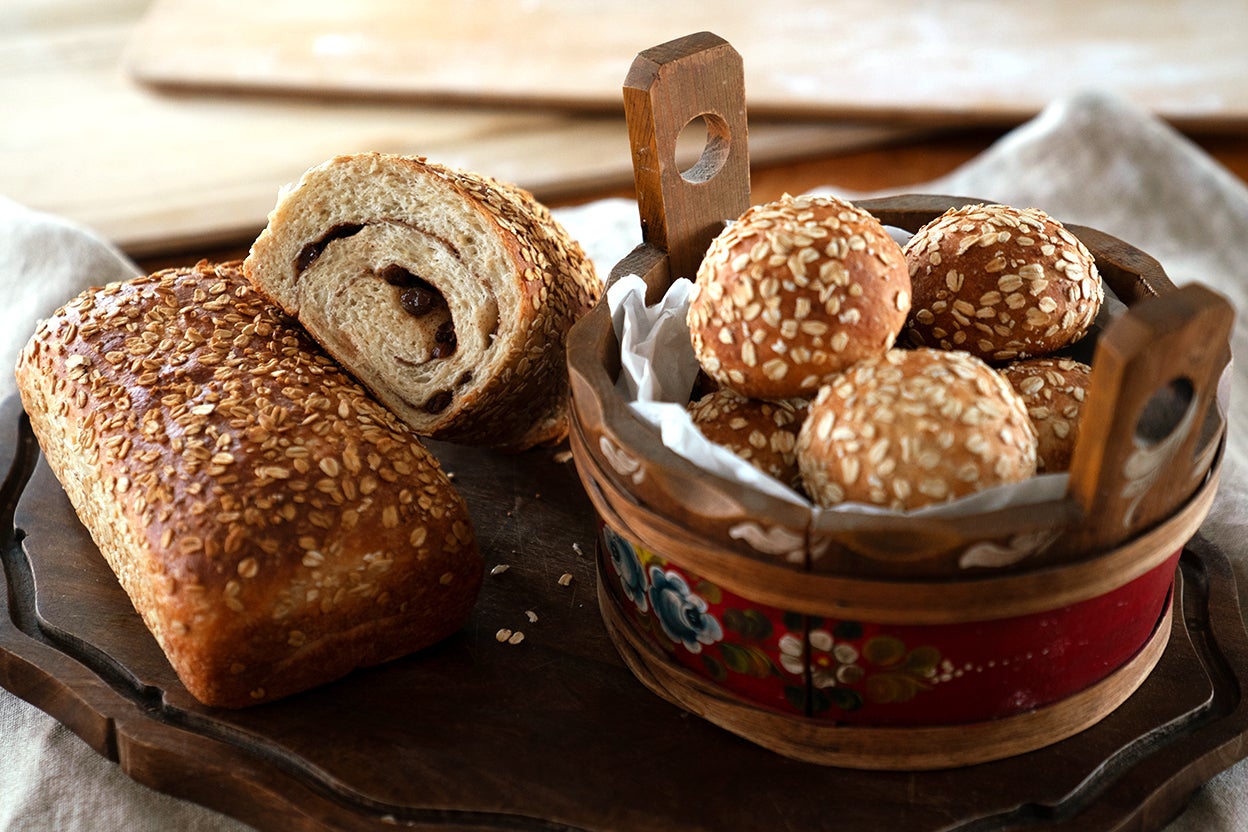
<point x="716" y="634"/>
<point x="871" y="673"/>
<point x="780" y="659"/>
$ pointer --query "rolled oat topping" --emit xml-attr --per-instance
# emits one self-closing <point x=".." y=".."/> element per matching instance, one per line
<point x="1001" y="283"/>
<point x="914" y="427"/>
<point x="793" y="292"/>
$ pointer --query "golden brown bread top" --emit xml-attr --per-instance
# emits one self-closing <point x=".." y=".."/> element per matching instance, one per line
<point x="912" y="428"/>
<point x="1000" y="282"/>
<point x="252" y="498"/>
<point x="793" y="292"/>
<point x="760" y="432"/>
<point x="1054" y="390"/>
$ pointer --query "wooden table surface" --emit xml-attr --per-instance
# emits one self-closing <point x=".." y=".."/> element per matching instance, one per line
<point x="172" y="175"/>
<point x="895" y="164"/>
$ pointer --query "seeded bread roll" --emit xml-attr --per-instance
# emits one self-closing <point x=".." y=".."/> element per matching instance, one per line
<point x="794" y="292"/>
<point x="760" y="432"/>
<point x="448" y="294"/>
<point x="1001" y="283"/>
<point x="912" y="428"/>
<point x="1054" y="390"/>
<point x="274" y="526"/>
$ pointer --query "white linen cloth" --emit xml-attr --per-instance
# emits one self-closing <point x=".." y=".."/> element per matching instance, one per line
<point x="1090" y="159"/>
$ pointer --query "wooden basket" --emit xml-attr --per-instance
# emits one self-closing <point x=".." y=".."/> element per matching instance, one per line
<point x="889" y="641"/>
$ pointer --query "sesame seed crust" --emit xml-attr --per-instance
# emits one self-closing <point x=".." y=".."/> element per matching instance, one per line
<point x="760" y="432"/>
<point x="792" y="293"/>
<point x="912" y="428"/>
<point x="1001" y="283"/>
<point x="274" y="525"/>
<point x="489" y="367"/>
<point x="1054" y="391"/>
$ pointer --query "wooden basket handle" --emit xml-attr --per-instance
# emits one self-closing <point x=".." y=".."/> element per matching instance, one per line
<point x="668" y="87"/>
<point x="1155" y="375"/>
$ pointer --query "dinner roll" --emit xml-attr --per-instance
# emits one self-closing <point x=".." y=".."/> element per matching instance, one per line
<point x="792" y="293"/>
<point x="760" y="432"/>
<point x="914" y="427"/>
<point x="1000" y="282"/>
<point x="1054" y="390"/>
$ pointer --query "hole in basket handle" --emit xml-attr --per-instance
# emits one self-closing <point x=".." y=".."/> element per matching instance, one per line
<point x="708" y="136"/>
<point x="1164" y="412"/>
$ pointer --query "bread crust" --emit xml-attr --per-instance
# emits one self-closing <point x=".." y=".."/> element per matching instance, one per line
<point x="505" y="275"/>
<point x="1054" y="390"/>
<point x="792" y="293"/>
<point x="274" y="526"/>
<point x="1001" y="283"/>
<point x="762" y="433"/>
<point x="912" y="428"/>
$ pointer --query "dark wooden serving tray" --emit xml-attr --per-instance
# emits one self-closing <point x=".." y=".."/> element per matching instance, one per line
<point x="554" y="732"/>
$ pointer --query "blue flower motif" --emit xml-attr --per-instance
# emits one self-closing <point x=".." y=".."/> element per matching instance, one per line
<point x="628" y="567"/>
<point x="681" y="612"/>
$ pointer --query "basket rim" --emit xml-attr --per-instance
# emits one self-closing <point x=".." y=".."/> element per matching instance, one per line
<point x="988" y="596"/>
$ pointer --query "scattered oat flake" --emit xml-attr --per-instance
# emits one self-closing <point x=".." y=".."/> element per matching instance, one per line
<point x="503" y="634"/>
<point x="563" y="456"/>
<point x="516" y="637"/>
<point x="565" y="579"/>
<point x="532" y="616"/>
<point x="500" y="569"/>
<point x="576" y="547"/>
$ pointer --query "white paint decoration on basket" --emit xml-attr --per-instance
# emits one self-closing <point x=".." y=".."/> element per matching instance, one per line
<point x="625" y="464"/>
<point x="773" y="541"/>
<point x="1020" y="546"/>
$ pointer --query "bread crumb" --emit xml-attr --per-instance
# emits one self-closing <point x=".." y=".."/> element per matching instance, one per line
<point x="565" y="579"/>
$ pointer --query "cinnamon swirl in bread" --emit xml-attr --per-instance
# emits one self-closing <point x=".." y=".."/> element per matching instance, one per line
<point x="449" y="295"/>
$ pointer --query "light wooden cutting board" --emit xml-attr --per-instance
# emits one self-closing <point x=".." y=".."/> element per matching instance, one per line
<point x="931" y="60"/>
<point x="160" y="171"/>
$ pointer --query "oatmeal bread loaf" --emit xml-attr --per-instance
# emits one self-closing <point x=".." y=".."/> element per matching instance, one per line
<point x="274" y="525"/>
<point x="1001" y="283"/>
<point x="913" y="428"/>
<point x="449" y="295"/>
<point x="762" y="433"/>
<point x="792" y="293"/>
<point x="1054" y="390"/>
